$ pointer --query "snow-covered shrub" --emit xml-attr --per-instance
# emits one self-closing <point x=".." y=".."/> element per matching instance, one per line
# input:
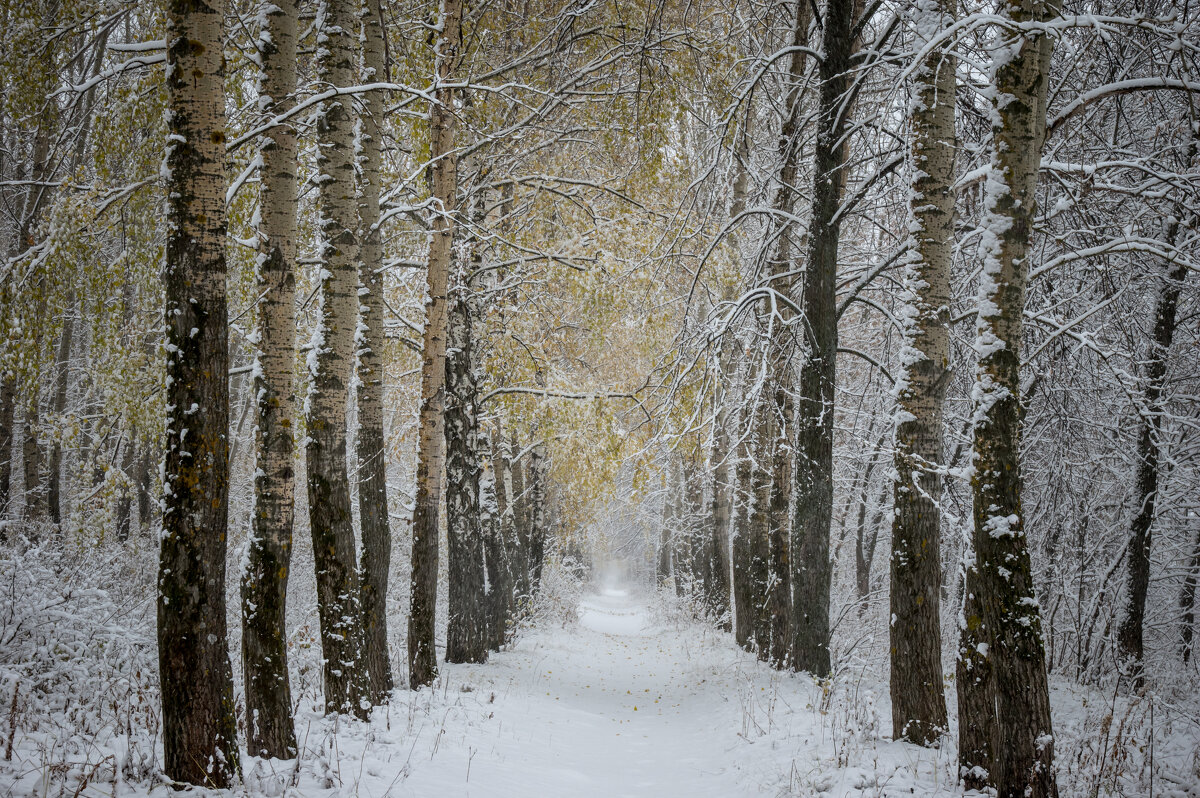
<point x="557" y="601"/>
<point x="78" y="665"/>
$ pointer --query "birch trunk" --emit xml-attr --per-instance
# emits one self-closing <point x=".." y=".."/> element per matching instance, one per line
<point x="918" y="702"/>
<point x="369" y="444"/>
<point x="431" y="447"/>
<point x="331" y="363"/>
<point x="269" y="728"/>
<point x="466" y="633"/>
<point x="199" y="732"/>
<point x="1023" y="753"/>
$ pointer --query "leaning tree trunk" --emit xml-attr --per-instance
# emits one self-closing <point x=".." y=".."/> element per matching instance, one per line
<point x="1023" y="758"/>
<point x="431" y="445"/>
<point x="369" y="444"/>
<point x="331" y="363"/>
<point x="1130" y="632"/>
<point x="813" y="505"/>
<point x="269" y="728"/>
<point x="918" y="703"/>
<point x="466" y="632"/>
<point x="199" y="732"/>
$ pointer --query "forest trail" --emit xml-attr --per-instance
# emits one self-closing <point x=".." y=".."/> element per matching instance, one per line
<point x="623" y="700"/>
<point x="615" y="702"/>
<point x="613" y="706"/>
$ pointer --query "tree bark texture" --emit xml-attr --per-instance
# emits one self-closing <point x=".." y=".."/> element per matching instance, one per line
<point x="813" y="476"/>
<point x="8" y="406"/>
<point x="369" y="443"/>
<point x="431" y="447"/>
<point x="199" y="732"/>
<point x="331" y="363"/>
<point x="918" y="701"/>
<point x="270" y="731"/>
<point x="56" y="501"/>
<point x="1023" y="753"/>
<point x="466" y="633"/>
<point x="1131" y="631"/>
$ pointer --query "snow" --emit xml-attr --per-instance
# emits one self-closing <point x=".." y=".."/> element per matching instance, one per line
<point x="616" y="692"/>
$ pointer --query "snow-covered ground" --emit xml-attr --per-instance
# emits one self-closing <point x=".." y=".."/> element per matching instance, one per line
<point x="630" y="697"/>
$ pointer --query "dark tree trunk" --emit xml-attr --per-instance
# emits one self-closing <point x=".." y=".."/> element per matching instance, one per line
<point x="743" y="589"/>
<point x="1187" y="604"/>
<point x="499" y="581"/>
<point x="779" y="571"/>
<point x="1023" y="755"/>
<point x="31" y="450"/>
<point x="8" y="406"/>
<point x="199" y="732"/>
<point x="537" y="517"/>
<point x="976" y="690"/>
<point x="55" y="499"/>
<point x="466" y="633"/>
<point x="1131" y="630"/>
<point x="369" y="444"/>
<point x="813" y="480"/>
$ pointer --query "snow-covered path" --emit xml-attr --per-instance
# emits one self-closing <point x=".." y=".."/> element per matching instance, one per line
<point x="619" y="703"/>
<point x="613" y="709"/>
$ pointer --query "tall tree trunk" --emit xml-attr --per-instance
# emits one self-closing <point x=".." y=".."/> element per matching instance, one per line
<point x="199" y="731"/>
<point x="813" y="506"/>
<point x="1023" y="754"/>
<point x="718" y="593"/>
<point x="270" y="731"/>
<point x="520" y="516"/>
<point x="55" y="500"/>
<point x="743" y="590"/>
<point x="431" y="447"/>
<point x="780" y="411"/>
<point x="499" y="578"/>
<point x="1187" y="604"/>
<point x="537" y="516"/>
<point x="372" y="458"/>
<point x="331" y="363"/>
<point x="918" y="702"/>
<point x="1130" y="632"/>
<point x="506" y="508"/>
<point x="778" y="597"/>
<point x="31" y="452"/>
<point x="466" y="634"/>
<point x="8" y="406"/>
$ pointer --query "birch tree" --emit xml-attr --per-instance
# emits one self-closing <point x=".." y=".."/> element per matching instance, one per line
<point x="372" y="457"/>
<point x="331" y="363"/>
<point x="1023" y="754"/>
<point x="269" y="730"/>
<point x="918" y="704"/>
<point x="431" y="446"/>
<point x="199" y="732"/>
